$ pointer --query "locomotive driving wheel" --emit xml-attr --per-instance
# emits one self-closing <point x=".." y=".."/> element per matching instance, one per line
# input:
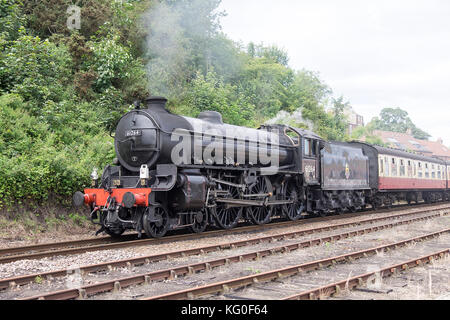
<point x="227" y="217"/>
<point x="199" y="221"/>
<point x="260" y="214"/>
<point x="292" y="211"/>
<point x="156" y="221"/>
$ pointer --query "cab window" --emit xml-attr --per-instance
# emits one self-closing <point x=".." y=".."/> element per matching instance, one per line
<point x="310" y="147"/>
<point x="307" y="147"/>
<point x="314" y="148"/>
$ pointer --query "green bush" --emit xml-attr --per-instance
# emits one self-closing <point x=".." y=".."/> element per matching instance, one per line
<point x="36" y="162"/>
<point x="11" y="19"/>
<point x="37" y="70"/>
<point x="211" y="93"/>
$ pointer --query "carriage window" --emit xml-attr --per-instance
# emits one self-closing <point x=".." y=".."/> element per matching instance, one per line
<point x="420" y="170"/>
<point x="402" y="168"/>
<point x="410" y="169"/>
<point x="381" y="166"/>
<point x="433" y="173"/>
<point x="394" y="168"/>
<point x="427" y="172"/>
<point x="386" y="164"/>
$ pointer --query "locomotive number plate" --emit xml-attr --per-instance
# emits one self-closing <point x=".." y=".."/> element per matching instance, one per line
<point x="133" y="133"/>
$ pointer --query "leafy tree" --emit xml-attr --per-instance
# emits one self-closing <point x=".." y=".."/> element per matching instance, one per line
<point x="11" y="19"/>
<point x="36" y="69"/>
<point x="397" y="120"/>
<point x="211" y="93"/>
<point x="267" y="84"/>
<point x="272" y="52"/>
<point x="366" y="133"/>
<point x="48" y="17"/>
<point x="338" y="122"/>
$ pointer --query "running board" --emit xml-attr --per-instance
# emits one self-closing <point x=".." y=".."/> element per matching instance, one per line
<point x="230" y="203"/>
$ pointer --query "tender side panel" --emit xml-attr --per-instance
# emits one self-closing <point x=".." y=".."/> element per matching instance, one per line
<point x="344" y="168"/>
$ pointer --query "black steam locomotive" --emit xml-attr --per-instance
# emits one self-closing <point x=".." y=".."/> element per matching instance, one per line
<point x="176" y="172"/>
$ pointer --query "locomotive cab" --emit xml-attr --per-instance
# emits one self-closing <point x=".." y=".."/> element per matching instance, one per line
<point x="310" y="147"/>
<point x="311" y="160"/>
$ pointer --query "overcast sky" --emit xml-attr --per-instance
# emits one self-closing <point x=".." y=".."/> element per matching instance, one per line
<point x="376" y="54"/>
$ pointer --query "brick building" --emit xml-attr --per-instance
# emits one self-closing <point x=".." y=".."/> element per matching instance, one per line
<point x="354" y="120"/>
<point x="405" y="141"/>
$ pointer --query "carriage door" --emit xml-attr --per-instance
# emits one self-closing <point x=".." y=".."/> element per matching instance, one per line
<point x="311" y="160"/>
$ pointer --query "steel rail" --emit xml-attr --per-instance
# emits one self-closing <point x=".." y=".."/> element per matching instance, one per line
<point x="226" y="286"/>
<point x="6" y="254"/>
<point x="143" y="242"/>
<point x="55" y="245"/>
<point x="24" y="279"/>
<point x="196" y="267"/>
<point x="359" y="280"/>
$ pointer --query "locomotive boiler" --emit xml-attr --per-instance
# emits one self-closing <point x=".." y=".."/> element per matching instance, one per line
<point x="152" y="136"/>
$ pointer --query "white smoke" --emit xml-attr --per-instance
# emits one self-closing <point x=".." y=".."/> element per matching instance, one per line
<point x="164" y="44"/>
<point x="178" y="39"/>
<point x="284" y="117"/>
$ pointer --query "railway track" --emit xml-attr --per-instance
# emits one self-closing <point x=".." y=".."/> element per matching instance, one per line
<point x="88" y="245"/>
<point x="322" y="291"/>
<point x="359" y="280"/>
<point x="117" y="284"/>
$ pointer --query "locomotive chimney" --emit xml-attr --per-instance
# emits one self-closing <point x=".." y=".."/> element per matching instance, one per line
<point x="156" y="103"/>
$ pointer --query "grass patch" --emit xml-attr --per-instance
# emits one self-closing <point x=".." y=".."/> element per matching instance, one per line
<point x="33" y="226"/>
